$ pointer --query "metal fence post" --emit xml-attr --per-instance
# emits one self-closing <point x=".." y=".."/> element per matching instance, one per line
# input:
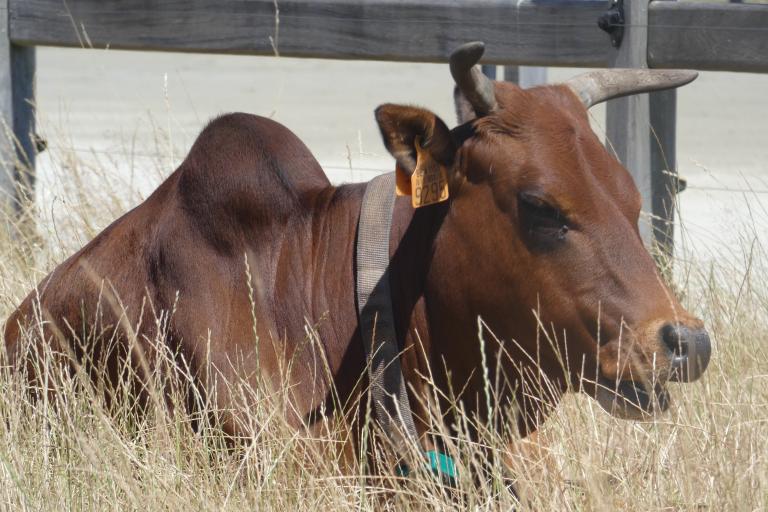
<point x="17" y="124"/>
<point x="664" y="179"/>
<point x="526" y="76"/>
<point x="489" y="70"/>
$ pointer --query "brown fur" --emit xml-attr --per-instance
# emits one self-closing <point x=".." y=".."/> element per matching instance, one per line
<point x="250" y="188"/>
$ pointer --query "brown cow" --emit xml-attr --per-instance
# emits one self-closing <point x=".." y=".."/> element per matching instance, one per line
<point x="541" y="229"/>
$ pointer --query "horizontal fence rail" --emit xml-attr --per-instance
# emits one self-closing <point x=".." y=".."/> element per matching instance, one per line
<point x="555" y="32"/>
<point x="728" y="37"/>
<point x="716" y="37"/>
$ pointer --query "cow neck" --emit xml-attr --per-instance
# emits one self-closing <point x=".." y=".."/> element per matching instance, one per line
<point x="412" y="244"/>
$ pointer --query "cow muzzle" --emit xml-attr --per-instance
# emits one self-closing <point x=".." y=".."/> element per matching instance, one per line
<point x="630" y="399"/>
<point x="631" y="385"/>
<point x="689" y="351"/>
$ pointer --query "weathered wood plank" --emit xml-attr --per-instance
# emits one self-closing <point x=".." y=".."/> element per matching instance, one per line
<point x="722" y="37"/>
<point x="628" y="119"/>
<point x="557" y="32"/>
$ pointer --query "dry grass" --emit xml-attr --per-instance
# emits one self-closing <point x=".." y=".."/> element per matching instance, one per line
<point x="708" y="453"/>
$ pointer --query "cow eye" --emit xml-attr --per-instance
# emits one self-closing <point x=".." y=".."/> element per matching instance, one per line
<point x="543" y="222"/>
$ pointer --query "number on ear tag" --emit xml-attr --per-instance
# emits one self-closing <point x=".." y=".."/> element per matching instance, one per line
<point x="429" y="181"/>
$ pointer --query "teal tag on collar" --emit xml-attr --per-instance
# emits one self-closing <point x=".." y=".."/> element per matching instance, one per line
<point x="442" y="465"/>
<point x="438" y="463"/>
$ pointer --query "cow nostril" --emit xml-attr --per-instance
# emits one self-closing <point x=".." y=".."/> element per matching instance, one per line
<point x="674" y="340"/>
<point x="690" y="350"/>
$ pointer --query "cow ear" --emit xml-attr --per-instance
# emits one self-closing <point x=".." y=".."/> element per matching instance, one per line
<point x="403" y="127"/>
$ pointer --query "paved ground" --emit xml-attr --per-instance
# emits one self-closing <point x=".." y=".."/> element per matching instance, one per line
<point x="110" y="104"/>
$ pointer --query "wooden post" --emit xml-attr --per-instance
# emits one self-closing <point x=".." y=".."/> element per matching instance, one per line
<point x="17" y="124"/>
<point x="628" y="118"/>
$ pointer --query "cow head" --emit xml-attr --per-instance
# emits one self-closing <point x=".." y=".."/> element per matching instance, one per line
<point x="541" y="231"/>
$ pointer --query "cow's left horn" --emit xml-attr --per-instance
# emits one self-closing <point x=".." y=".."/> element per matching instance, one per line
<point x="598" y="86"/>
<point x="471" y="81"/>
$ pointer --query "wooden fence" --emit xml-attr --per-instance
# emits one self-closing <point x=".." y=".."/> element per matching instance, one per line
<point x="659" y="34"/>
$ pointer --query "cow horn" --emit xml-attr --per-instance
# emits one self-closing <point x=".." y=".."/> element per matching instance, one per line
<point x="596" y="87"/>
<point x="470" y="80"/>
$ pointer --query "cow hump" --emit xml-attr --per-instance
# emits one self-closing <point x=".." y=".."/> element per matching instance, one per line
<point x="246" y="169"/>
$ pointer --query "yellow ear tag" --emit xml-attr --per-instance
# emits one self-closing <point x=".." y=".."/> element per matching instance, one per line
<point x="429" y="181"/>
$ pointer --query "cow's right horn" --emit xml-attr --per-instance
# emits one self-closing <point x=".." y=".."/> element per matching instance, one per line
<point x="596" y="87"/>
<point x="470" y="80"/>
